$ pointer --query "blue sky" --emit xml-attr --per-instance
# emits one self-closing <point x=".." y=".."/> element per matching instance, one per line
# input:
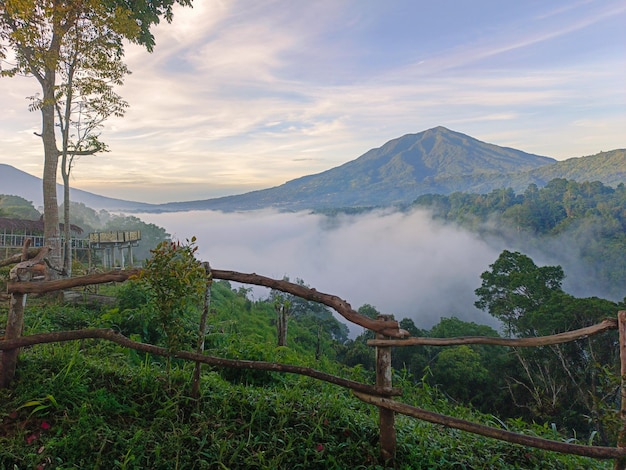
<point x="242" y="95"/>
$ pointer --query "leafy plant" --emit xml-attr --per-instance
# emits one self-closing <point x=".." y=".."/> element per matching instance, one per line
<point x="176" y="282"/>
<point x="40" y="406"/>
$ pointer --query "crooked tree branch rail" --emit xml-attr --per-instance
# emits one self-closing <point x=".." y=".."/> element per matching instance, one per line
<point x="388" y="328"/>
<point x="389" y="335"/>
<point x="606" y="324"/>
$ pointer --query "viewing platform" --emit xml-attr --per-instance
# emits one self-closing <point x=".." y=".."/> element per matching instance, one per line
<point x="114" y="247"/>
<point x="115" y="242"/>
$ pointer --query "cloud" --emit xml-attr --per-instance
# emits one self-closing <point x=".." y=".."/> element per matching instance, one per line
<point x="402" y="263"/>
<point x="250" y="96"/>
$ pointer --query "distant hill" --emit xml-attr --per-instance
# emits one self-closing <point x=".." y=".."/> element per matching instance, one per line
<point x="608" y="167"/>
<point x="19" y="183"/>
<point x="435" y="161"/>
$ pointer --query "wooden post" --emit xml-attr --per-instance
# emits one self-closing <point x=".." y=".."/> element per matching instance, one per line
<point x="386" y="417"/>
<point x="15" y="325"/>
<point x="620" y="463"/>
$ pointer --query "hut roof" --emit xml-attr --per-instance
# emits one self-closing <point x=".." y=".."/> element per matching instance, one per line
<point x="24" y="225"/>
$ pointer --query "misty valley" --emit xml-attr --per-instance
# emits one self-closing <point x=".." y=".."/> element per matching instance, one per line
<point x="544" y="261"/>
<point x="240" y="292"/>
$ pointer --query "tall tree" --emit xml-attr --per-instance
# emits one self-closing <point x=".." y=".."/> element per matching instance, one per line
<point x="516" y="286"/>
<point x="86" y="98"/>
<point x="39" y="34"/>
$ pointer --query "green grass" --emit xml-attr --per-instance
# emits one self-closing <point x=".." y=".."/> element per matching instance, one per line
<point x="93" y="404"/>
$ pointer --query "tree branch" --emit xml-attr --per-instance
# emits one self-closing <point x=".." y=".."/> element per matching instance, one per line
<point x="606" y="324"/>
<point x="596" y="452"/>
<point x="110" y="335"/>
<point x="388" y="328"/>
<point x="32" y="252"/>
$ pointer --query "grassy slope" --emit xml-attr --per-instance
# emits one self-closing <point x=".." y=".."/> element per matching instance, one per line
<point x="95" y="405"/>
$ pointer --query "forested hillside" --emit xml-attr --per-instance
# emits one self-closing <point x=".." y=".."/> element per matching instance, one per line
<point x="575" y="386"/>
<point x="580" y="226"/>
<point x="89" y="221"/>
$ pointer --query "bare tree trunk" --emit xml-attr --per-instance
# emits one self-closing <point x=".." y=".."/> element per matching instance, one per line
<point x="282" y="312"/>
<point x="387" y="418"/>
<point x="620" y="463"/>
<point x="318" y="348"/>
<point x="51" y="161"/>
<point x="67" y="252"/>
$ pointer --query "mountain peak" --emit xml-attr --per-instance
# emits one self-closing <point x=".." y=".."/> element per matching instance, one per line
<point x="442" y="152"/>
<point x="435" y="161"/>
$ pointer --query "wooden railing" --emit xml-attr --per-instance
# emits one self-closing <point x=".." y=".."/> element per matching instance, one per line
<point x="388" y="335"/>
<point x="16" y="241"/>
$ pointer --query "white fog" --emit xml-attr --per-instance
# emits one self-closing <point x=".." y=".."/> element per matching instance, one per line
<point x="401" y="263"/>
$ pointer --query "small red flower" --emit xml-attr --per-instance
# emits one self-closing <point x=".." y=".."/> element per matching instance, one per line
<point x="319" y="448"/>
<point x="45" y="425"/>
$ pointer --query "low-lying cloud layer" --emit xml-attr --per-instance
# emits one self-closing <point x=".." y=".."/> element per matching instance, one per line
<point x="402" y="263"/>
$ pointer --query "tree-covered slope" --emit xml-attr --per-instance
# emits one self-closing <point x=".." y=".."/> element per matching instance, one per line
<point x="607" y="167"/>
<point x="436" y="161"/>
<point x="581" y="226"/>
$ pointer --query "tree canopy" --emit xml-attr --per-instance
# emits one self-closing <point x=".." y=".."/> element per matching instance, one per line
<point x="569" y="222"/>
<point x="515" y="286"/>
<point x="41" y="38"/>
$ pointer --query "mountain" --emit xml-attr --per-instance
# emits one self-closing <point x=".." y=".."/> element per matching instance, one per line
<point x="608" y="167"/>
<point x="437" y="161"/>
<point x="19" y="183"/>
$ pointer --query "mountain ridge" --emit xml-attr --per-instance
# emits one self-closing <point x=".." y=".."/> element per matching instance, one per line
<point x="437" y="160"/>
<point x="20" y="183"/>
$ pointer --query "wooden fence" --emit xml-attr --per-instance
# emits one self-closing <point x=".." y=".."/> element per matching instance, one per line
<point x="388" y="335"/>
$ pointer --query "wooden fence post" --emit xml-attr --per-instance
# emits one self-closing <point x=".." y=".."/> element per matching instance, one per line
<point x="620" y="463"/>
<point x="386" y="417"/>
<point x="15" y="325"/>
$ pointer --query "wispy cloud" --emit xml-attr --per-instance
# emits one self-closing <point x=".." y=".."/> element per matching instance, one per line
<point x="251" y="95"/>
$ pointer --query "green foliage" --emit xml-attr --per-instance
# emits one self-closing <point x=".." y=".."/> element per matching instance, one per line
<point x="94" y="404"/>
<point x="86" y="217"/>
<point x="461" y="373"/>
<point x="16" y="207"/>
<point x="175" y="282"/>
<point x="514" y="287"/>
<point x="102" y="221"/>
<point x="562" y="382"/>
<point x="577" y="221"/>
<point x="99" y="409"/>
<point x="151" y="234"/>
<point x="68" y="409"/>
<point x="133" y="316"/>
<point x="73" y="48"/>
<point x="468" y="374"/>
<point x="311" y="314"/>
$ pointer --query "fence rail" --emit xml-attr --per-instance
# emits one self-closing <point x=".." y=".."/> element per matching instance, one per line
<point x="13" y="240"/>
<point x="388" y="334"/>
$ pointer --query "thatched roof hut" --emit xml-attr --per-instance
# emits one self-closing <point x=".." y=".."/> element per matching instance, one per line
<point x="30" y="227"/>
